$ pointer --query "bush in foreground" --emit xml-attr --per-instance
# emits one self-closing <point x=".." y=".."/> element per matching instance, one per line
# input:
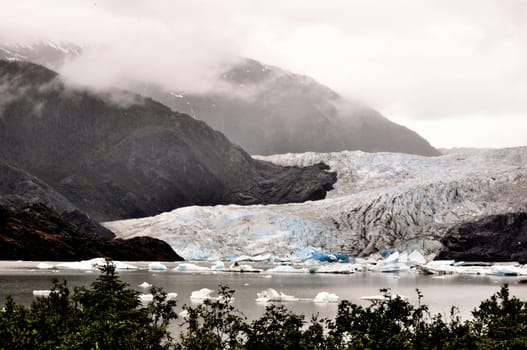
<point x="109" y="315"/>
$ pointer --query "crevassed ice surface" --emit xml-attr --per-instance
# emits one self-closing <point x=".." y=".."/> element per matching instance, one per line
<point x="380" y="200"/>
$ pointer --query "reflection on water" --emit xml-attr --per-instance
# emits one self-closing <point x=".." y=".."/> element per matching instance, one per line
<point x="440" y="292"/>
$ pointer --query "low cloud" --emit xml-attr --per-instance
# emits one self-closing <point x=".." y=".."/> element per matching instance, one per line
<point x="414" y="62"/>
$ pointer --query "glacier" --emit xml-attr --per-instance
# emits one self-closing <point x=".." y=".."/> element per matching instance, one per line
<point x="380" y="201"/>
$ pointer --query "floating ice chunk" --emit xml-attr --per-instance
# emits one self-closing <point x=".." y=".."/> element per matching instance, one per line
<point x="156" y="266"/>
<point x="145" y="298"/>
<point x="171" y="296"/>
<point x="503" y="270"/>
<point x="387" y="295"/>
<point x="403" y="258"/>
<point x="41" y="293"/>
<point x="76" y="265"/>
<point x="44" y="266"/>
<point x="187" y="267"/>
<point x="183" y="314"/>
<point x="145" y="285"/>
<point x="120" y="266"/>
<point x="390" y="267"/>
<point x="392" y="258"/>
<point x="325" y="297"/>
<point x="336" y="268"/>
<point x="285" y="269"/>
<point x="218" y="266"/>
<point x="272" y="295"/>
<point x="241" y="268"/>
<point x="201" y="295"/>
<point x="416" y="257"/>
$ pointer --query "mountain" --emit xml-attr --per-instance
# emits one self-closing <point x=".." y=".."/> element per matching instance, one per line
<point x="50" y="54"/>
<point x="18" y="188"/>
<point x="380" y="201"/>
<point x="35" y="232"/>
<point x="265" y="109"/>
<point x="268" y="110"/>
<point x="119" y="155"/>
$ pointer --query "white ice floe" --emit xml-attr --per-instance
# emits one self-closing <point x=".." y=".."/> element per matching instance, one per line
<point x="171" y="296"/>
<point x="156" y="266"/>
<point x="41" y="293"/>
<point x="145" y="285"/>
<point x="386" y="295"/>
<point x="201" y="295"/>
<point x="92" y="264"/>
<point x="44" y="266"/>
<point x="390" y="267"/>
<point x="286" y="269"/>
<point x="392" y="258"/>
<point x="235" y="267"/>
<point x="503" y="270"/>
<point x="416" y="257"/>
<point x="188" y="267"/>
<point x="218" y="266"/>
<point x="145" y="298"/>
<point x="272" y="295"/>
<point x="342" y="268"/>
<point x="326" y="297"/>
<point x="121" y="266"/>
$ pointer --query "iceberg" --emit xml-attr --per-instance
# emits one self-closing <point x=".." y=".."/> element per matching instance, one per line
<point x="41" y="293"/>
<point x="390" y="267"/>
<point x="145" y="285"/>
<point x="44" y="266"/>
<point x="242" y="268"/>
<point x="156" y="266"/>
<point x="285" y="269"/>
<point x="92" y="264"/>
<point x="416" y="257"/>
<point x="201" y="295"/>
<point x="121" y="266"/>
<point x="386" y="295"/>
<point x="325" y="297"/>
<point x="271" y="295"/>
<point x="503" y="270"/>
<point x="392" y="258"/>
<point x="146" y="298"/>
<point x="188" y="267"/>
<point x="336" y="268"/>
<point x="218" y="266"/>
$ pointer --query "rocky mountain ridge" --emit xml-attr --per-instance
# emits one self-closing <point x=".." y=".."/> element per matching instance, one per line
<point x="35" y="232"/>
<point x="119" y="155"/>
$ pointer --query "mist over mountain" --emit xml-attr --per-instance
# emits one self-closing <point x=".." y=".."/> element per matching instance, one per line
<point x="264" y="109"/>
<point x="119" y="155"/>
<point x="268" y="110"/>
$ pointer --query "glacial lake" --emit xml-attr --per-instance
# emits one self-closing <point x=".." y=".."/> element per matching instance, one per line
<point x="19" y="279"/>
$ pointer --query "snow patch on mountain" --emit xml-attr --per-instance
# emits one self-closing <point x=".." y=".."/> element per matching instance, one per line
<point x="381" y="200"/>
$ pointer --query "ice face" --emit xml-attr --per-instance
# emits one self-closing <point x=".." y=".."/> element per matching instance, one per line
<point x="380" y="201"/>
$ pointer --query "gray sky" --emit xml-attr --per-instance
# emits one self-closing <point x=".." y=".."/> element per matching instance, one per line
<point x="454" y="71"/>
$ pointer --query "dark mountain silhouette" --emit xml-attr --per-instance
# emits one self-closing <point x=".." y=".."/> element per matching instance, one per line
<point x="117" y="155"/>
<point x="35" y="232"/>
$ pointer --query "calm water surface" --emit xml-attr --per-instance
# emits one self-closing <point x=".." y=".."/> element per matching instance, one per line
<point x="440" y="292"/>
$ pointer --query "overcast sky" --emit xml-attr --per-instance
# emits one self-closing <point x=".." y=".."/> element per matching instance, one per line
<point x="454" y="71"/>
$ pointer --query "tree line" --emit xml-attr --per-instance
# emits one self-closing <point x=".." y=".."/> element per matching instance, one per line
<point x="110" y="315"/>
